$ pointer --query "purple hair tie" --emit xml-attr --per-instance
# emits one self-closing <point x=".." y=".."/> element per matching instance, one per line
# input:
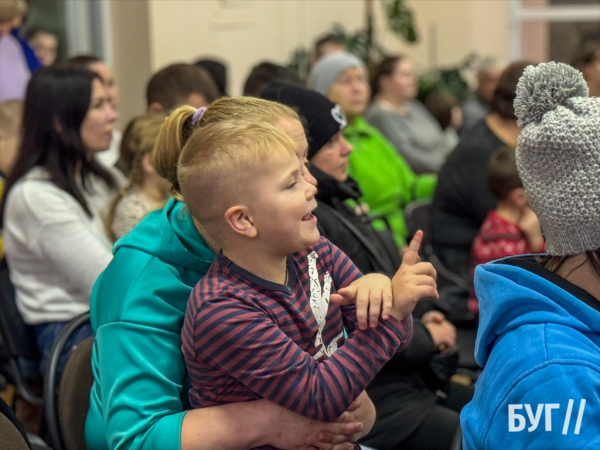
<point x="198" y="115"/>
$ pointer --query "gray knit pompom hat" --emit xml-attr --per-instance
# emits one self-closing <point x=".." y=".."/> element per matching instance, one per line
<point x="558" y="155"/>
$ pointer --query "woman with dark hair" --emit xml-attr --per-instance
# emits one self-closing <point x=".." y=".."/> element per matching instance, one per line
<point x="405" y="121"/>
<point x="462" y="199"/>
<point x="55" y="199"/>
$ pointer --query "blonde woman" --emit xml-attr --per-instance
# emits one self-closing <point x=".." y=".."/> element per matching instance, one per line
<point x="139" y="396"/>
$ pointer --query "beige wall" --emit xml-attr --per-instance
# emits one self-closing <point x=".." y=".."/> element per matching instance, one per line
<point x="131" y="56"/>
<point x="149" y="34"/>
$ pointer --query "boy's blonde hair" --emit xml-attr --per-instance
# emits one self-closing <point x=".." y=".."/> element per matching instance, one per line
<point x="219" y="163"/>
<point x="11" y="117"/>
<point x="9" y="9"/>
<point x="178" y="127"/>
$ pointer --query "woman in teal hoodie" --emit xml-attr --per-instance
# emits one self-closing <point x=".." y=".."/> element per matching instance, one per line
<point x="139" y="396"/>
<point x="539" y="332"/>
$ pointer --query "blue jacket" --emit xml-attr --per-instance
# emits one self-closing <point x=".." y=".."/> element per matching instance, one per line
<point x="539" y="345"/>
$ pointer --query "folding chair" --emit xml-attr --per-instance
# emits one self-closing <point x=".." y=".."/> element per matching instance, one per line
<point x="66" y="408"/>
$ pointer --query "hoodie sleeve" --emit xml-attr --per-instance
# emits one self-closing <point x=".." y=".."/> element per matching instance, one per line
<point x="142" y="407"/>
<point x="553" y="407"/>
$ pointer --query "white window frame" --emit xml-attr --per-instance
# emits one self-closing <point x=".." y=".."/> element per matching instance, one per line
<point x="520" y="14"/>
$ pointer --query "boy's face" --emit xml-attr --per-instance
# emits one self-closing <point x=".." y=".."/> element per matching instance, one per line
<point x="282" y="205"/>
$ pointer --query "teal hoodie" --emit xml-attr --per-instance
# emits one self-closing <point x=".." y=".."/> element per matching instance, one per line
<point x="137" y="309"/>
<point x="539" y="345"/>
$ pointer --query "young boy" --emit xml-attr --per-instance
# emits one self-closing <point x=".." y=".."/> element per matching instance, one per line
<point x="512" y="228"/>
<point x="260" y="324"/>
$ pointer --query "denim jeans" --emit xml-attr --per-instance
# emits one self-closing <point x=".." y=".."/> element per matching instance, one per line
<point x="46" y="334"/>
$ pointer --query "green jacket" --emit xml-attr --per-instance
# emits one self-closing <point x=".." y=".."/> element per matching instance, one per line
<point x="139" y="395"/>
<point x="387" y="182"/>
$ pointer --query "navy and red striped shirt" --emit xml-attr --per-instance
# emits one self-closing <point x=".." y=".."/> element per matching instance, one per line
<point x="246" y="338"/>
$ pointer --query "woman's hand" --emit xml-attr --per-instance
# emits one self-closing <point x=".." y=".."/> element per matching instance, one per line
<point x="290" y="431"/>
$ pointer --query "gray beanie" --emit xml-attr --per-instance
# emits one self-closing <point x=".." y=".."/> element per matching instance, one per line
<point x="326" y="70"/>
<point x="558" y="155"/>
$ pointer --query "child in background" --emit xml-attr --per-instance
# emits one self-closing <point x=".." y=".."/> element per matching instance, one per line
<point x="11" y="115"/>
<point x="146" y="190"/>
<point x="512" y="228"/>
<point x="260" y="324"/>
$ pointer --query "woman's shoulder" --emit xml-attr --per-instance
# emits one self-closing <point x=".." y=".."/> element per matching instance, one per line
<point x="36" y="195"/>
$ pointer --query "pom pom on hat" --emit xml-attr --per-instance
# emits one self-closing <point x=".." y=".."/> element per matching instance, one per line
<point x="544" y="87"/>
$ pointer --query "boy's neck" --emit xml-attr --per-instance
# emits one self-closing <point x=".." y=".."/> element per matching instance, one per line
<point x="265" y="265"/>
<point x="508" y="212"/>
<point x="580" y="272"/>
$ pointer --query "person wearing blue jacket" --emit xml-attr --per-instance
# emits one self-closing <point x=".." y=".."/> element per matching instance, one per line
<point x="139" y="395"/>
<point x="539" y="333"/>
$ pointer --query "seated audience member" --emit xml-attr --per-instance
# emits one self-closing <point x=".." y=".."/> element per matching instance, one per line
<point x="14" y="68"/>
<point x="512" y="228"/>
<point x="462" y="199"/>
<point x="146" y="191"/>
<point x="444" y="108"/>
<point x="217" y="71"/>
<point x="539" y="333"/>
<point x="387" y="182"/>
<point x="326" y="45"/>
<point x="264" y="73"/>
<point x="408" y="374"/>
<point x="55" y="201"/>
<point x="180" y="84"/>
<point x="44" y="44"/>
<point x="267" y="295"/>
<point x="11" y="115"/>
<point x="110" y="157"/>
<point x="137" y="312"/>
<point x="476" y="108"/>
<point x="588" y="62"/>
<point x="405" y="121"/>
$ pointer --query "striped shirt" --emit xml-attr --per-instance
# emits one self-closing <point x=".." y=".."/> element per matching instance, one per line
<point x="246" y="338"/>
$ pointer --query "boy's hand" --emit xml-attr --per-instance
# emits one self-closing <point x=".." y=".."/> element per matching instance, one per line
<point x="530" y="226"/>
<point x="369" y="293"/>
<point x="414" y="281"/>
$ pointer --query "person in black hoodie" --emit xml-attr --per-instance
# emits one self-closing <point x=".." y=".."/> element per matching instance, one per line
<point x="416" y="406"/>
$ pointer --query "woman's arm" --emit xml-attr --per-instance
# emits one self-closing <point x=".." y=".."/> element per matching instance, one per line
<point x="242" y="426"/>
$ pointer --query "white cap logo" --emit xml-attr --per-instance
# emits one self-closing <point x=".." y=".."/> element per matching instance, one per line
<point x="339" y="116"/>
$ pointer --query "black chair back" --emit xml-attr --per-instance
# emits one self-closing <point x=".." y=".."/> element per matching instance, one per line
<point x="12" y="432"/>
<point x="52" y="395"/>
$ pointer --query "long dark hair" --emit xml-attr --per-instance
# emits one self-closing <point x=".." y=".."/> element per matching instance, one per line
<point x="56" y="103"/>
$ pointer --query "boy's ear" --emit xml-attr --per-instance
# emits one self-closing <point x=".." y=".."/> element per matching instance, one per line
<point x="518" y="198"/>
<point x="238" y="219"/>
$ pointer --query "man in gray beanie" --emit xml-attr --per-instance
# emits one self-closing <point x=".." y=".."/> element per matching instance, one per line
<point x="539" y="334"/>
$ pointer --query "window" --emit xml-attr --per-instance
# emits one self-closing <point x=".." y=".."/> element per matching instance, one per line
<point x="553" y="30"/>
